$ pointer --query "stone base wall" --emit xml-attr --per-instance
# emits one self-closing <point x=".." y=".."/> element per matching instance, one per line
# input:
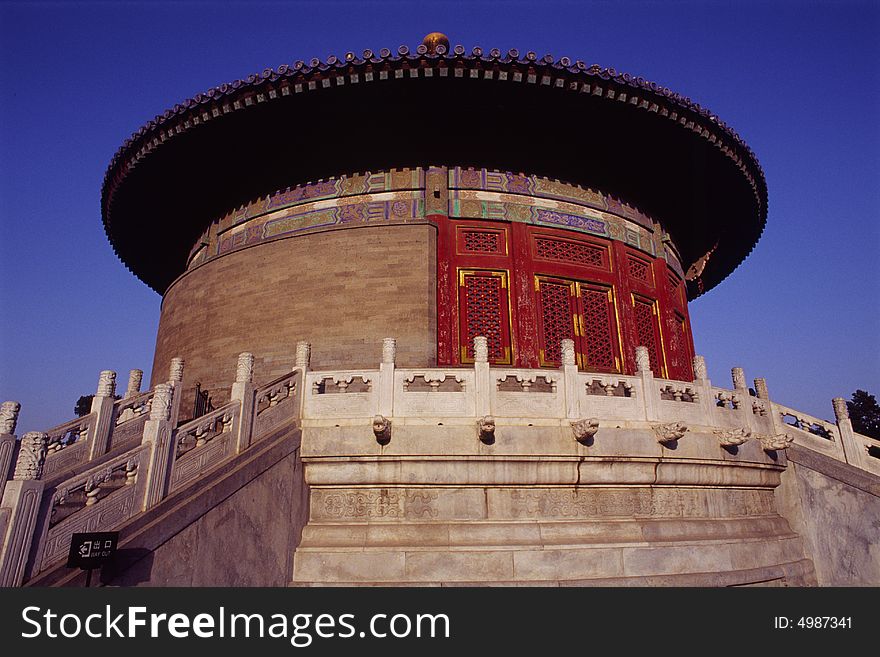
<point x="237" y="543"/>
<point x="835" y="507"/>
<point x="531" y="547"/>
<point x="537" y="508"/>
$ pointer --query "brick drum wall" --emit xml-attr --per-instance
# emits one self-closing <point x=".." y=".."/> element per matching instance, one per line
<point x="343" y="291"/>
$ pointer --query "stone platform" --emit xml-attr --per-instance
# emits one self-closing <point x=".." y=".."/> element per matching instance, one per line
<point x="538" y="508"/>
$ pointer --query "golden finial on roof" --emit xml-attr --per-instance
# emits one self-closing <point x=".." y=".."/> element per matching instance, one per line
<point x="434" y="39"/>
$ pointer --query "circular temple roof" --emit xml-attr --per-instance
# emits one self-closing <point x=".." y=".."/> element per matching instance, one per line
<point x="558" y="118"/>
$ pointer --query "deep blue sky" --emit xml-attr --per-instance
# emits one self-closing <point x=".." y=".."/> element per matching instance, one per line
<point x="798" y="81"/>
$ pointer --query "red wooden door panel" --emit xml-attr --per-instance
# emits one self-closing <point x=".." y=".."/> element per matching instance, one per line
<point x="600" y="342"/>
<point x="484" y="309"/>
<point x="557" y="318"/>
<point x="647" y="332"/>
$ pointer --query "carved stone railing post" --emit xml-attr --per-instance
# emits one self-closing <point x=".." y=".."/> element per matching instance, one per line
<point x="651" y="395"/>
<point x="303" y="355"/>
<point x="700" y="372"/>
<point x="135" y="377"/>
<point x="739" y="379"/>
<point x="482" y="376"/>
<point x="175" y="380"/>
<point x="386" y="377"/>
<point x="761" y="391"/>
<point x="742" y="398"/>
<point x="8" y="420"/>
<point x="243" y="392"/>
<point x="21" y="500"/>
<point x="160" y="436"/>
<point x="853" y="451"/>
<point x="704" y="389"/>
<point x="103" y="408"/>
<point x="570" y="380"/>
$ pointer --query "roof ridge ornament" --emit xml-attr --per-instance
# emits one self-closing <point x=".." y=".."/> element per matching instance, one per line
<point x="434" y="39"/>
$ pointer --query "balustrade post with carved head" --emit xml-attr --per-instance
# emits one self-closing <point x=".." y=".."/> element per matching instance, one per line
<point x="481" y="349"/>
<point x="8" y="419"/>
<point x="21" y="503"/>
<point x="389" y="350"/>
<point x="159" y="435"/>
<point x="704" y="386"/>
<point x="700" y="373"/>
<point x="303" y="355"/>
<point x="243" y="392"/>
<point x="651" y="394"/>
<point x="106" y="384"/>
<point x="104" y="411"/>
<point x="386" y="377"/>
<point x="31" y="456"/>
<point x="175" y="381"/>
<point x="482" y="375"/>
<point x="570" y="380"/>
<point x="566" y="347"/>
<point x="135" y="377"/>
<point x="854" y="451"/>
<point x="175" y="371"/>
<point x="160" y="408"/>
<point x="761" y="391"/>
<point x="244" y="370"/>
<point x="739" y="378"/>
<point x="643" y="359"/>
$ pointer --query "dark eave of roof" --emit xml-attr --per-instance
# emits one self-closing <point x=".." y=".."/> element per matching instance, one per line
<point x="587" y="125"/>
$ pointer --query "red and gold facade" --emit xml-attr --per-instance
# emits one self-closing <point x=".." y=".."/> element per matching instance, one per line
<point x="529" y="261"/>
<point x="452" y="253"/>
<point x="526" y="288"/>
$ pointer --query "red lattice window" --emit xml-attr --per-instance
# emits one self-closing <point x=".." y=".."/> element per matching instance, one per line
<point x="686" y="371"/>
<point x="481" y="241"/>
<point x="647" y="332"/>
<point x="557" y="318"/>
<point x="599" y="328"/>
<point x="639" y="269"/>
<point x="579" y="253"/>
<point x="483" y="310"/>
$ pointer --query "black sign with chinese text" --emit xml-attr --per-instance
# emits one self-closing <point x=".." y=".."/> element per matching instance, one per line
<point x="91" y="550"/>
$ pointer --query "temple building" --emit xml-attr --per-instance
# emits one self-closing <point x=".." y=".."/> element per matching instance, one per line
<point x="425" y="321"/>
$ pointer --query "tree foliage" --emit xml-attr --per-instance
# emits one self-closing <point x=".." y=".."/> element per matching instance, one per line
<point x="864" y="413"/>
<point x="83" y="405"/>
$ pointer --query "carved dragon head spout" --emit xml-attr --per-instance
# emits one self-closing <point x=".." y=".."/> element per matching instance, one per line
<point x="669" y="433"/>
<point x="382" y="429"/>
<point x="584" y="430"/>
<point x="733" y="437"/>
<point x="778" y="442"/>
<point x="486" y="428"/>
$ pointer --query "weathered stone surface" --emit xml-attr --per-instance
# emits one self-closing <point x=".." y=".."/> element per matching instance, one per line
<point x="397" y="504"/>
<point x="459" y="566"/>
<point x="659" y="560"/>
<point x="239" y="542"/>
<point x="567" y="564"/>
<point x="836" y="509"/>
<point x="354" y="567"/>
